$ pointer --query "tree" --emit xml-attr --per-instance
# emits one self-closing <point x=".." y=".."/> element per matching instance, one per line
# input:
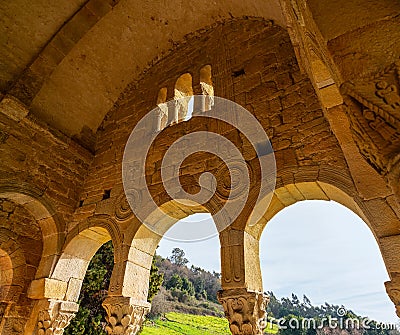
<point x="90" y="319"/>
<point x="187" y="286"/>
<point x="156" y="280"/>
<point x="174" y="282"/>
<point x="178" y="257"/>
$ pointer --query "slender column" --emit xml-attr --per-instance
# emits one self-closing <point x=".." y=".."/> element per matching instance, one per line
<point x="393" y="291"/>
<point x="161" y="117"/>
<point x="208" y="92"/>
<point x="124" y="315"/>
<point x="173" y="110"/>
<point x="198" y="104"/>
<point x="54" y="316"/>
<point x="245" y="310"/>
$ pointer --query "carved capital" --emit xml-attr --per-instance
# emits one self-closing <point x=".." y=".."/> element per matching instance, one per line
<point x="124" y="316"/>
<point x="55" y="316"/>
<point x="245" y="310"/>
<point x="393" y="291"/>
<point x="374" y="114"/>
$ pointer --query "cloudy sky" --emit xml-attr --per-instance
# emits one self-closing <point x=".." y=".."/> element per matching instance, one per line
<point x="317" y="248"/>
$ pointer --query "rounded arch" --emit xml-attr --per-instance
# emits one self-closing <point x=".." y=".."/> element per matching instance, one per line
<point x="51" y="224"/>
<point x="81" y="244"/>
<point x="184" y="86"/>
<point x="12" y="267"/>
<point x="314" y="246"/>
<point x="330" y="186"/>
<point x="6" y="274"/>
<point x="131" y="272"/>
<point x="325" y="183"/>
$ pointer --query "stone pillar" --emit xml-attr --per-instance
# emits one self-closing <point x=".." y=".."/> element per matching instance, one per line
<point x="54" y="316"/>
<point x="245" y="310"/>
<point x="173" y="110"/>
<point x="198" y="104"/>
<point x="393" y="291"/>
<point x="161" y="117"/>
<point x="124" y="315"/>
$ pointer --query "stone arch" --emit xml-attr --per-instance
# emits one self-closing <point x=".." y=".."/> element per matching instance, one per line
<point x="15" y="279"/>
<point x="330" y="186"/>
<point x="6" y="274"/>
<point x="50" y="223"/>
<point x="326" y="86"/>
<point x="82" y="242"/>
<point x="58" y="293"/>
<point x="131" y="273"/>
<point x="182" y="94"/>
<point x="126" y="304"/>
<point x="13" y="267"/>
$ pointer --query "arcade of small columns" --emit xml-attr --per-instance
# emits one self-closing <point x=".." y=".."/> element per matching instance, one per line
<point x="334" y="137"/>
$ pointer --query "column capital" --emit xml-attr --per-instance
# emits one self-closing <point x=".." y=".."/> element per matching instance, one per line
<point x="124" y="315"/>
<point x="55" y="316"/>
<point x="245" y="310"/>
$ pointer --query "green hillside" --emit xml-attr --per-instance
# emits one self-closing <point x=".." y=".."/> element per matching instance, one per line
<point x="177" y="323"/>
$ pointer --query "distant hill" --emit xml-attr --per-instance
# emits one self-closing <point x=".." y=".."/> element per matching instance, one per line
<point x="184" y="302"/>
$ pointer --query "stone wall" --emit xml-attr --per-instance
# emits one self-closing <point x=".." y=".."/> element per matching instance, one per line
<point x="21" y="243"/>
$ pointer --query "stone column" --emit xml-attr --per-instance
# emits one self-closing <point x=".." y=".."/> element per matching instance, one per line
<point x="245" y="310"/>
<point x="161" y="117"/>
<point x="124" y="315"/>
<point x="173" y="111"/>
<point x="393" y="291"/>
<point x="54" y="316"/>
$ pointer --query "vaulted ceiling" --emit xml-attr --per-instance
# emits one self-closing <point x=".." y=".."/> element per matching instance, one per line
<point x="69" y="60"/>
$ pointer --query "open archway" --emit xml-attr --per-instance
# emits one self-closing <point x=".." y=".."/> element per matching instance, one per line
<point x="326" y="252"/>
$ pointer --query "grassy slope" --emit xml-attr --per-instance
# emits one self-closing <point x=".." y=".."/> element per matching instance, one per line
<point x="177" y="323"/>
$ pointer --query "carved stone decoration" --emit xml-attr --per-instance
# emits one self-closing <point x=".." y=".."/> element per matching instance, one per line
<point x="234" y="181"/>
<point x="245" y="310"/>
<point x="123" y="316"/>
<point x="393" y="291"/>
<point x="123" y="210"/>
<point x="56" y="317"/>
<point x="374" y="114"/>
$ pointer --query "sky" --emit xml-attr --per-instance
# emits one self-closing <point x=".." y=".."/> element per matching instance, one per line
<point x="317" y="248"/>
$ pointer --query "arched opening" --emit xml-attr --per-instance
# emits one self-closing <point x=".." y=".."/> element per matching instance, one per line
<point x="91" y="316"/>
<point x="187" y="256"/>
<point x="20" y="253"/>
<point x="6" y="275"/>
<point x="85" y="266"/>
<point x="50" y="223"/>
<point x="325" y="251"/>
<point x="182" y="95"/>
<point x="207" y="87"/>
<point x="77" y="254"/>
